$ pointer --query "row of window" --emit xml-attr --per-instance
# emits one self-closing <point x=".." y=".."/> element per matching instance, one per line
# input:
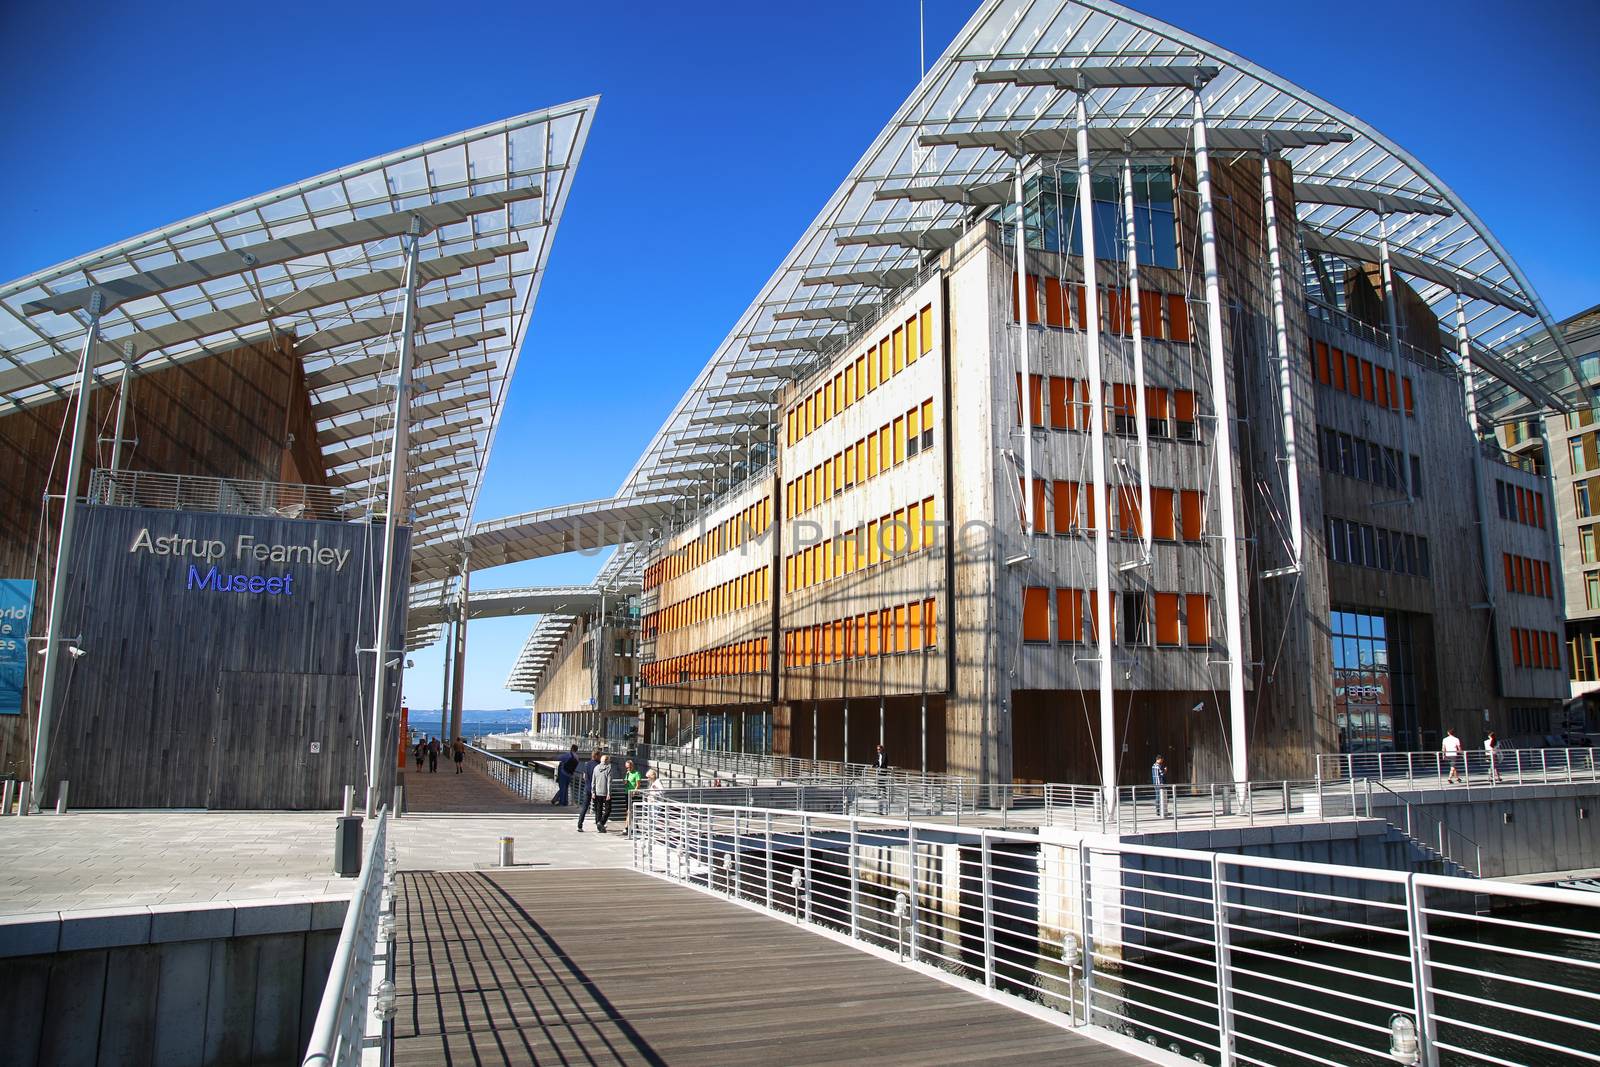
<point x="880" y="362"/>
<point x="1180" y="618"/>
<point x="1530" y="576"/>
<point x="892" y="443"/>
<point x="747" y="525"/>
<point x="1517" y="504"/>
<point x="902" y="628"/>
<point x="1361" y="544"/>
<point x="1064" y="402"/>
<point x="732" y="595"/>
<point x="1367" y="461"/>
<point x="900" y="533"/>
<point x="1539" y="649"/>
<point x="1361" y="378"/>
<point x="1068" y="507"/>
<point x="741" y="657"/>
<point x="1052" y="302"/>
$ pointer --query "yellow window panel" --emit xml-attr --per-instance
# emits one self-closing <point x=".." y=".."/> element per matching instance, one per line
<point x="899" y="349"/>
<point x="914" y="534"/>
<point x="900" y="439"/>
<point x="926" y="321"/>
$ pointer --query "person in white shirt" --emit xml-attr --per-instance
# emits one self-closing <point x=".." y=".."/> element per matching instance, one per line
<point x="1452" y="752"/>
<point x="1491" y="752"/>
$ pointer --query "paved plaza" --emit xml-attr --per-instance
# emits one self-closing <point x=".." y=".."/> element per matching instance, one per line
<point x="121" y="859"/>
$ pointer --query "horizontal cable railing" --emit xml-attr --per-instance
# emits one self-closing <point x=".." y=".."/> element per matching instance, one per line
<point x="1472" y="768"/>
<point x="340" y="1032"/>
<point x="231" y="496"/>
<point x="1206" y="956"/>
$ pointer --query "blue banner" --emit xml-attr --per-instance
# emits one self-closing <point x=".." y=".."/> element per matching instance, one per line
<point x="16" y="610"/>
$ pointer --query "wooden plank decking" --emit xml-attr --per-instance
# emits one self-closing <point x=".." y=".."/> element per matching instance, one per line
<point x="612" y="967"/>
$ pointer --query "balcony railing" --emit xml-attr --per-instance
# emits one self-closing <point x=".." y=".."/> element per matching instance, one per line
<point x="227" y="496"/>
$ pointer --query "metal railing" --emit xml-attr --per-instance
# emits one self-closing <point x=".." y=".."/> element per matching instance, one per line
<point x="1452" y="844"/>
<point x="1223" y="959"/>
<point x="1473" y="768"/>
<point x="699" y="764"/>
<point x="340" y="1032"/>
<point x="231" y="496"/>
<point x="520" y="778"/>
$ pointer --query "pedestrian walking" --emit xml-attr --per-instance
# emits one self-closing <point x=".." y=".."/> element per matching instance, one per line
<point x="460" y="753"/>
<point x="631" y="779"/>
<point x="1158" y="778"/>
<point x="433" y="755"/>
<point x="420" y="751"/>
<point x="581" y="782"/>
<point x="1450" y="748"/>
<point x="1491" y="753"/>
<point x="600" y="785"/>
<point x="564" y="772"/>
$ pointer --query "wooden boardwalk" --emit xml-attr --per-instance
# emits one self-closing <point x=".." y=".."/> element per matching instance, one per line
<point x="470" y="792"/>
<point x="615" y="967"/>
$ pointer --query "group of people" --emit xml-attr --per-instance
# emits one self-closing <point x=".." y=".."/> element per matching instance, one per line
<point x="427" y="749"/>
<point x="597" y="786"/>
<point x="1451" y="749"/>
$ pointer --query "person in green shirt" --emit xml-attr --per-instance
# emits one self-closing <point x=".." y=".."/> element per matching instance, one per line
<point x="631" y="778"/>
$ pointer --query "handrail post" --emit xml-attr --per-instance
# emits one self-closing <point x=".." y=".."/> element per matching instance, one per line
<point x="1421" y="973"/>
<point x="1219" y="926"/>
<point x="805" y="834"/>
<point x="912" y="885"/>
<point x="769" y="860"/>
<point x="852" y="868"/>
<point x="984" y="871"/>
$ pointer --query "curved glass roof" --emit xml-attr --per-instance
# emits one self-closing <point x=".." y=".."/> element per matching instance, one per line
<point x="322" y="260"/>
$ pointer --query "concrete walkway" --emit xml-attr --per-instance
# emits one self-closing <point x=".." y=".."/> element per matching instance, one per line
<point x="83" y="860"/>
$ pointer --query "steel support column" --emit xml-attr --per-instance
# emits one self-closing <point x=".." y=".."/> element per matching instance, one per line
<point x="1026" y="397"/>
<point x="122" y="405"/>
<point x="449" y="659"/>
<point x="1099" y="501"/>
<point x="1280" y="328"/>
<point x="1396" y="362"/>
<point x="1136" y="328"/>
<point x="394" y="511"/>
<point x="1233" y="628"/>
<point x="458" y="700"/>
<point x="58" y="582"/>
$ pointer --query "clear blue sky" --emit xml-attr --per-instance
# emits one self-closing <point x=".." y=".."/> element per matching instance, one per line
<point x="721" y="130"/>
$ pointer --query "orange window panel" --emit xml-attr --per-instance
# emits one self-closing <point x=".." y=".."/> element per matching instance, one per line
<point x="860" y="371"/>
<point x="1367" y="393"/>
<point x="1055" y="309"/>
<point x="1069" y="616"/>
<point x="873" y="368"/>
<point x="1089" y="520"/>
<point x="1197" y="612"/>
<point x="1192" y="502"/>
<point x="914" y="424"/>
<point x="930" y="623"/>
<point x="1183" y="405"/>
<point x="1411" y="408"/>
<point x="1129" y="522"/>
<point x="1058" y="403"/>
<point x="1035" y="613"/>
<point x="874" y="544"/>
<point x="874" y="637"/>
<point x="838" y="392"/>
<point x="849" y="467"/>
<point x="899" y="349"/>
<point x="1352" y="374"/>
<point x="898" y="533"/>
<point x="1150" y="313"/>
<point x="1094" y="617"/>
<point x="1516" y="647"/>
<point x="914" y="524"/>
<point x="925" y="322"/>
<point x="849" y="392"/>
<point x="1178" y="316"/>
<point x="1322" y="366"/>
<point x="1039" y="518"/>
<point x="914" y="626"/>
<point x="900" y="439"/>
<point x="1163" y="517"/>
<point x="872" y="454"/>
<point x="861" y="635"/>
<point x="928" y="531"/>
<point x="1167" y="619"/>
<point x="1156" y="403"/>
<point x="902" y="629"/>
<point x="886" y="448"/>
<point x="1066" y="501"/>
<point x="1076" y="300"/>
<point x="913" y="339"/>
<point x="860" y="448"/>
<point x="1380" y="386"/>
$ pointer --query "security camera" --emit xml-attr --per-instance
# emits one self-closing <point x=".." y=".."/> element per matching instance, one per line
<point x="1199" y="707"/>
<point x="393" y="663"/>
<point x="77" y="653"/>
<point x="410" y="663"/>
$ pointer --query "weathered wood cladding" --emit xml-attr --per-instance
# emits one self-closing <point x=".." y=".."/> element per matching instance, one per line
<point x="192" y="697"/>
<point x="240" y="413"/>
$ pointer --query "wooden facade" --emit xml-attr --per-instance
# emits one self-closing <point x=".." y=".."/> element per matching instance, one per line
<point x="192" y="696"/>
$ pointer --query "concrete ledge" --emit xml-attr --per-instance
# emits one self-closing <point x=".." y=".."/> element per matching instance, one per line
<point x="30" y="935"/>
<point x="42" y="933"/>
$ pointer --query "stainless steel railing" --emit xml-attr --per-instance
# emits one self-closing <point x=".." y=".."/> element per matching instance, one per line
<point x="1474" y="768"/>
<point x="340" y="1032"/>
<point x="1225" y="959"/>
<point x="233" y="496"/>
<point x="517" y="777"/>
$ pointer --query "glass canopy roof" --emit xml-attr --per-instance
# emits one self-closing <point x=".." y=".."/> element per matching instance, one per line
<point x="321" y="260"/>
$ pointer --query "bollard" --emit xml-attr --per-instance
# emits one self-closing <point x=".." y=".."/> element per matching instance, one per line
<point x="349" y="801"/>
<point x="507" y="846"/>
<point x="61" y="798"/>
<point x="398" y="807"/>
<point x="23" y="799"/>
<point x="347" y="846"/>
<point x="5" y="796"/>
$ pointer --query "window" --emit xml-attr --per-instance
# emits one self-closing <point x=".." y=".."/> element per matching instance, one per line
<point x="1193" y="503"/>
<point x="1167" y="619"/>
<point x="1058" y="402"/>
<point x="1123" y="422"/>
<point x="1163" y="519"/>
<point x="913" y="431"/>
<point x="927" y="424"/>
<point x="1155" y="412"/>
<point x="1065" y="496"/>
<point x="1129" y="522"/>
<point x="1580" y="497"/>
<point x="1069" y="616"/>
<point x="1586" y="544"/>
<point x="1183" y="409"/>
<point x="1197" y="614"/>
<point x="1591" y="591"/>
